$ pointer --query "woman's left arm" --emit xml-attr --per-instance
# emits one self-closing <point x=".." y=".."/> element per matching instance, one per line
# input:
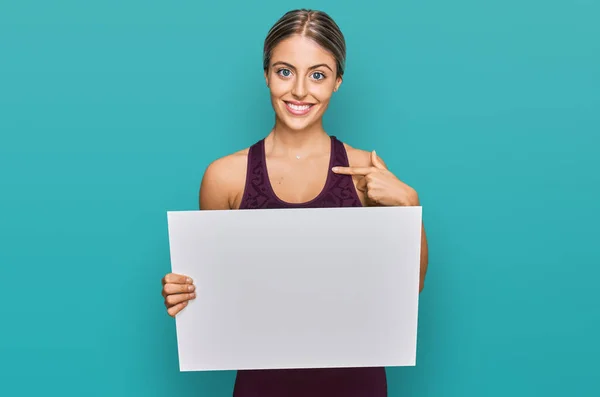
<point x="424" y="258"/>
<point x="382" y="187"/>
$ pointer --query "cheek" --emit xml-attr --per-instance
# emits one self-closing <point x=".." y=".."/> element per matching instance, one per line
<point x="278" y="88"/>
<point x="324" y="91"/>
<point x="278" y="91"/>
<point x="323" y="94"/>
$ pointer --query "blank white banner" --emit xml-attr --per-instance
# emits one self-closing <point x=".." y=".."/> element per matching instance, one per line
<point x="298" y="288"/>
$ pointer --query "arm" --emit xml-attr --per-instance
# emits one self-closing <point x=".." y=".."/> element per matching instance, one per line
<point x="214" y="189"/>
<point x="424" y="247"/>
<point x="424" y="259"/>
<point x="381" y="187"/>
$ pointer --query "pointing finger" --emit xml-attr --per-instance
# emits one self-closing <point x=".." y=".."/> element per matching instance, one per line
<point x="352" y="170"/>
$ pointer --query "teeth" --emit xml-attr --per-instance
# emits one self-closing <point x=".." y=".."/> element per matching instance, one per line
<point x="299" y="108"/>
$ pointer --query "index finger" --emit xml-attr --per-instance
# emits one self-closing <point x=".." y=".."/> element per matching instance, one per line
<point x="174" y="278"/>
<point x="352" y="170"/>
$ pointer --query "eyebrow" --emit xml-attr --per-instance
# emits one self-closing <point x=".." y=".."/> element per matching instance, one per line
<point x="292" y="66"/>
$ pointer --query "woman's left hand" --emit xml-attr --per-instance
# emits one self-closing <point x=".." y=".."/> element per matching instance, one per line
<point x="381" y="186"/>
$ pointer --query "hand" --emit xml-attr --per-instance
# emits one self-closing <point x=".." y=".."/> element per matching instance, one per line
<point x="177" y="291"/>
<point x="381" y="186"/>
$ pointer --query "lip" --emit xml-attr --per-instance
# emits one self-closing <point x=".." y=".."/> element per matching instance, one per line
<point x="298" y="112"/>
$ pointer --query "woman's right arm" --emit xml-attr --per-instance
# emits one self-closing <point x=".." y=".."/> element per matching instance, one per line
<point x="215" y="193"/>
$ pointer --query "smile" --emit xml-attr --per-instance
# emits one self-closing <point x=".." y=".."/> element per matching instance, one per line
<point x="298" y="109"/>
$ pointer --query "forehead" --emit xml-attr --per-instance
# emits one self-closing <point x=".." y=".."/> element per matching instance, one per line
<point x="301" y="51"/>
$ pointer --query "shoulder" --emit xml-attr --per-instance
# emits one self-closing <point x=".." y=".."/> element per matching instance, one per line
<point x="358" y="157"/>
<point x="227" y="164"/>
<point x="223" y="179"/>
<point x="361" y="158"/>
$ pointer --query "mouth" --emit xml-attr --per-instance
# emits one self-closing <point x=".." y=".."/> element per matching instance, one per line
<point x="298" y="108"/>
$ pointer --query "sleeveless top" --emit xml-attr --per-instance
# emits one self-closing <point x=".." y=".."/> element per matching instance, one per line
<point x="339" y="191"/>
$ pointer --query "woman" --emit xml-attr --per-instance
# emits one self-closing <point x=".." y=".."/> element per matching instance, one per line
<point x="299" y="165"/>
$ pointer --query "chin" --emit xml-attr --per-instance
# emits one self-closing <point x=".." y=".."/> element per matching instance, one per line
<point x="297" y="125"/>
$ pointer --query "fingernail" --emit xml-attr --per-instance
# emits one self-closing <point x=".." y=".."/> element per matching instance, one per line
<point x="190" y="287"/>
<point x="189" y="280"/>
<point x="334" y="169"/>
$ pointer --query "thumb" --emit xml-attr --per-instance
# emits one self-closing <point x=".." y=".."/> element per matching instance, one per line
<point x="377" y="162"/>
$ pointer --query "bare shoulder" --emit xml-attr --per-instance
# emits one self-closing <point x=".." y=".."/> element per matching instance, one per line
<point x="223" y="181"/>
<point x="360" y="158"/>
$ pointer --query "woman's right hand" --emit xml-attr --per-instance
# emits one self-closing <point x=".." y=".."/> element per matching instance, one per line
<point x="177" y="291"/>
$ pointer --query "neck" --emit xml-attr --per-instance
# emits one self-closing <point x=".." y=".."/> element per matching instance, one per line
<point x="298" y="142"/>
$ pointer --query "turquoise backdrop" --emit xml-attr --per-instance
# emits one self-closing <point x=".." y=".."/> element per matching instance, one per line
<point x="111" y="110"/>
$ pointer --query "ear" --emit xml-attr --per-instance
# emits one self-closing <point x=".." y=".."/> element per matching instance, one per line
<point x="266" y="77"/>
<point x="338" y="82"/>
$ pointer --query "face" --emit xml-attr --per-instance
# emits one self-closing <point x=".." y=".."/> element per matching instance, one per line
<point x="302" y="79"/>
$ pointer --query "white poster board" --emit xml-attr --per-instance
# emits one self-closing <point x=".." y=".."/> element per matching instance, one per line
<point x="298" y="288"/>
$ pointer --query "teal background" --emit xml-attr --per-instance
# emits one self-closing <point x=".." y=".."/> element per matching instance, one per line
<point x="110" y="111"/>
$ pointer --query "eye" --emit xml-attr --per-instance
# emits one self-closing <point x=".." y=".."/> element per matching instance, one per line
<point x="318" y="76"/>
<point x="284" y="72"/>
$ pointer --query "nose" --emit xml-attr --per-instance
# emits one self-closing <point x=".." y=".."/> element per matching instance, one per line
<point x="299" y="89"/>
